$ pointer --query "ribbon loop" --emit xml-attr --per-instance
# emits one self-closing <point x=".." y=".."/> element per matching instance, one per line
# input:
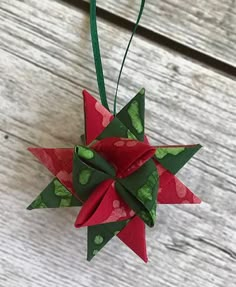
<point x="97" y="55"/>
<point x="126" y="52"/>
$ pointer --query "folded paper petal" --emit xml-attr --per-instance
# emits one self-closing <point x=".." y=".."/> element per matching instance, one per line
<point x="104" y="206"/>
<point x="139" y="185"/>
<point x="92" y="158"/>
<point x="133" y="235"/>
<point x="139" y="190"/>
<point x="89" y="170"/>
<point x="124" y="154"/>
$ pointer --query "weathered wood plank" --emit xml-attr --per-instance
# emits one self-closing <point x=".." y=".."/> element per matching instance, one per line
<point x="44" y="248"/>
<point x="45" y="61"/>
<point x="207" y="26"/>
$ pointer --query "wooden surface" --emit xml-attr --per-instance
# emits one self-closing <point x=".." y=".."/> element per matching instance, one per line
<point x="45" y="62"/>
<point x="207" y="26"/>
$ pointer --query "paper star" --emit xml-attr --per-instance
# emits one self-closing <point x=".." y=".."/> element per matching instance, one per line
<point x="101" y="124"/>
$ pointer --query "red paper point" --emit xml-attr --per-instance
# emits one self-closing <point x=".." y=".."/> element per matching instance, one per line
<point x="55" y="159"/>
<point x="133" y="235"/>
<point x="96" y="117"/>
<point x="59" y="163"/>
<point x="172" y="190"/>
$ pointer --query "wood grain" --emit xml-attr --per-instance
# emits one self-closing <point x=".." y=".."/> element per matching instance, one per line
<point x="206" y="26"/>
<point x="45" y="62"/>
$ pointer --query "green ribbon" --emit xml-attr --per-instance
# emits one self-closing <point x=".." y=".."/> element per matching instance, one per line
<point x="97" y="55"/>
<point x="126" y="52"/>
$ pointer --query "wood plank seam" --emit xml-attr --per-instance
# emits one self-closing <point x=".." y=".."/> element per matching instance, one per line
<point x="196" y="55"/>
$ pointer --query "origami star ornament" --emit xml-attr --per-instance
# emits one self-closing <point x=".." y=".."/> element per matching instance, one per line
<point x="117" y="177"/>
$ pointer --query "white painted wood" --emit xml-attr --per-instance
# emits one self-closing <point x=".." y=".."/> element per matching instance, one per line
<point x="206" y="26"/>
<point x="45" y="62"/>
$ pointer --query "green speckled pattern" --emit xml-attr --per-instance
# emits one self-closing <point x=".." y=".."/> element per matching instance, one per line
<point x="133" y="112"/>
<point x="139" y="191"/>
<point x="174" y="158"/>
<point x="162" y="152"/>
<point x="98" y="239"/>
<point x="63" y="193"/>
<point x="84" y="176"/>
<point x="84" y="152"/>
<point x="37" y="203"/>
<point x="53" y="196"/>
<point x="116" y="129"/>
<point x="99" y="235"/>
<point x="131" y="136"/>
<point x="145" y="192"/>
<point x="89" y="172"/>
<point x="132" y="115"/>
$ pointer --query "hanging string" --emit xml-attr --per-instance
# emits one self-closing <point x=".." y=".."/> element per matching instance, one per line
<point x="126" y="52"/>
<point x="96" y="54"/>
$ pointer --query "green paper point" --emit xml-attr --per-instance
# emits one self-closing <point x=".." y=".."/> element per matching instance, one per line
<point x="153" y="213"/>
<point x="132" y="116"/>
<point x="100" y="235"/>
<point x="55" y="195"/>
<point x="142" y="92"/>
<point x="174" y="158"/>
